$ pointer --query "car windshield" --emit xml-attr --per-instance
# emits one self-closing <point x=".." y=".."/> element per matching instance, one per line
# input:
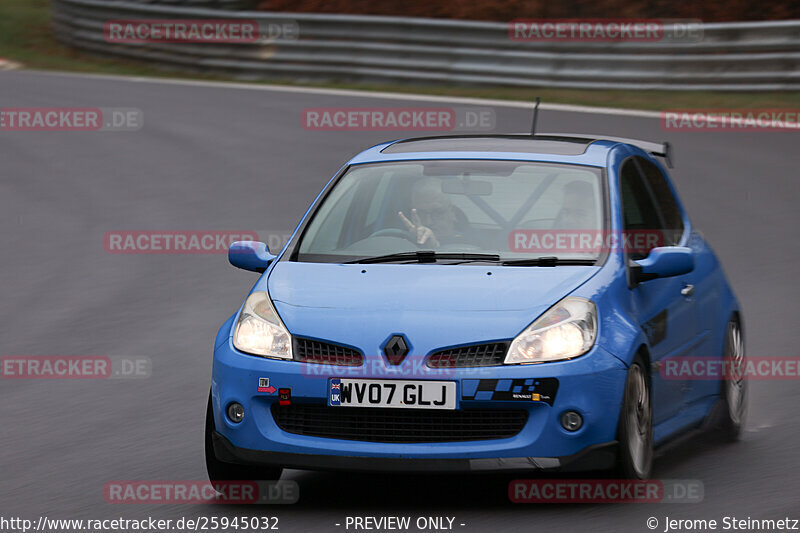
<point x="486" y="210"/>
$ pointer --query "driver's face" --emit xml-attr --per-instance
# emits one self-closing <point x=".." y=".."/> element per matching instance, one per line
<point x="436" y="212"/>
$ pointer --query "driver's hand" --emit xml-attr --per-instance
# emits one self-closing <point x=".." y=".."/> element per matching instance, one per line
<point x="422" y="234"/>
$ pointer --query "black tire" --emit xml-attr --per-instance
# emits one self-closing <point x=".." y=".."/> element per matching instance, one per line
<point x="734" y="385"/>
<point x="221" y="471"/>
<point x="635" y="432"/>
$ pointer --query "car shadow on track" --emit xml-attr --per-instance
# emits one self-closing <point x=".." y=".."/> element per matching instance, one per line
<point x="467" y="491"/>
<point x="348" y="491"/>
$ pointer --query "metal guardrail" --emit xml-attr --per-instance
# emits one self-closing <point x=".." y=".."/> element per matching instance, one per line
<point x="746" y="56"/>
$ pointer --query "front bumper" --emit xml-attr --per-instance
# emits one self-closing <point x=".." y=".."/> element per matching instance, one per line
<point x="598" y="457"/>
<point x="592" y="385"/>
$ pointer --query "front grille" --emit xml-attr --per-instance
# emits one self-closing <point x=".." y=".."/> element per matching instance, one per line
<point x="491" y="354"/>
<point x="325" y="353"/>
<point x="399" y="425"/>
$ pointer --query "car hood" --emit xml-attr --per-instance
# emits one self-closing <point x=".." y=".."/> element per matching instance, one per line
<point x="440" y="305"/>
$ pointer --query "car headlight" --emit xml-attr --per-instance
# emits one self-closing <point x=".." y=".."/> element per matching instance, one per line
<point x="260" y="331"/>
<point x="566" y="330"/>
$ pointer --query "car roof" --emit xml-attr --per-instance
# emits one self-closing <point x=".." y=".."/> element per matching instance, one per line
<point x="590" y="150"/>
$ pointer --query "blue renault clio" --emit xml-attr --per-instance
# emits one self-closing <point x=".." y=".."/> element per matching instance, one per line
<point x="477" y="303"/>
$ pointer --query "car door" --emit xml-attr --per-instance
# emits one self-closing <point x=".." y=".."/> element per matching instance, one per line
<point x="698" y="285"/>
<point x="665" y="313"/>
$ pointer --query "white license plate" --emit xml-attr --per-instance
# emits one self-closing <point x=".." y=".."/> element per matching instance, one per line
<point x="392" y="393"/>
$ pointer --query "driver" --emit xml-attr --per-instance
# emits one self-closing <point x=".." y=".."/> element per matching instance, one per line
<point x="434" y="219"/>
<point x="578" y="209"/>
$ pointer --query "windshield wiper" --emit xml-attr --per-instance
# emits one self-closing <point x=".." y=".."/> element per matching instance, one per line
<point x="430" y="256"/>
<point x="548" y="261"/>
<point x="426" y="256"/>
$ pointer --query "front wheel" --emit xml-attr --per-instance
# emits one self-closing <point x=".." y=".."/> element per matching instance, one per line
<point x="221" y="471"/>
<point x="636" y="425"/>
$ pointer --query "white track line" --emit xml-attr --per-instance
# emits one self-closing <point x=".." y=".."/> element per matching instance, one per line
<point x="360" y="94"/>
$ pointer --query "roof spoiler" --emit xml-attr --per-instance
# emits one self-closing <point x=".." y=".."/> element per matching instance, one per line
<point x="663" y="150"/>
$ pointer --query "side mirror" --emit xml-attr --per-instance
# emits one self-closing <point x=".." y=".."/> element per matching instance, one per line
<point x="250" y="255"/>
<point x="663" y="262"/>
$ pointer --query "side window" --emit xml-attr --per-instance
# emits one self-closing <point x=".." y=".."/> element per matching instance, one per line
<point x="667" y="206"/>
<point x="638" y="210"/>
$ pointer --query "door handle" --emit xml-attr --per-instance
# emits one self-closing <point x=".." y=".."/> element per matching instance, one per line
<point x="687" y="290"/>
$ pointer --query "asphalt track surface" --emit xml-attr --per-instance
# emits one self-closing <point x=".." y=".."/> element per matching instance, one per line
<point x="226" y="158"/>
